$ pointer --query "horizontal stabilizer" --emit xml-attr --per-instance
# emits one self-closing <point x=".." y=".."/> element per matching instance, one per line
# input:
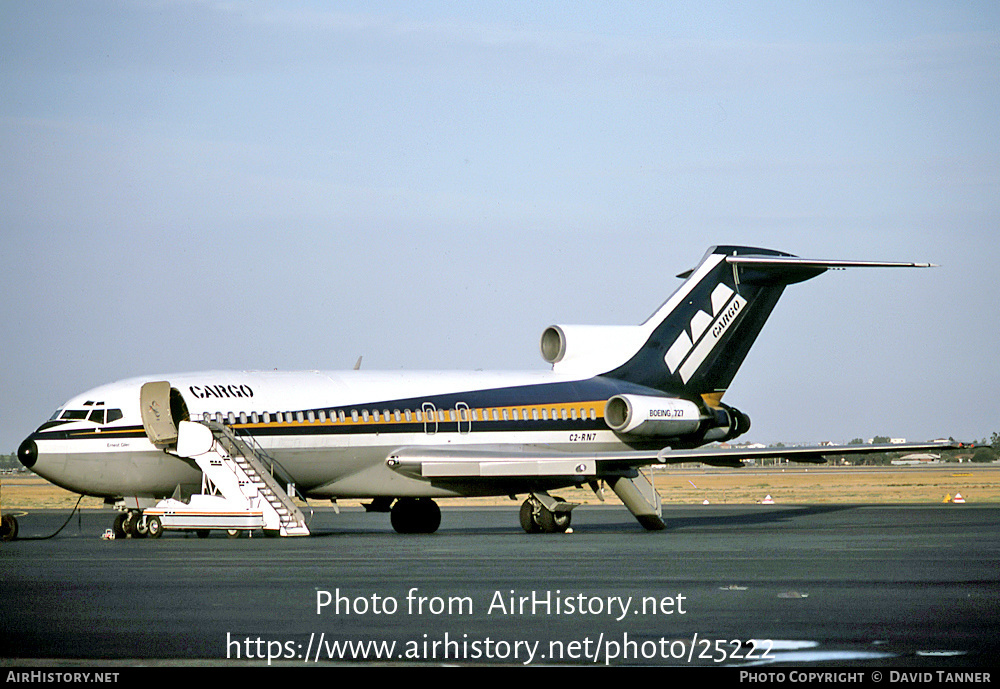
<point x="820" y="263"/>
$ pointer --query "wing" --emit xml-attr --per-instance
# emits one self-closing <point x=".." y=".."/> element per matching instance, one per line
<point x="430" y="463"/>
<point x="526" y="469"/>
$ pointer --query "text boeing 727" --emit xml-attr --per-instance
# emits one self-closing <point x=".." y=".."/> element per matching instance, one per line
<point x="617" y="398"/>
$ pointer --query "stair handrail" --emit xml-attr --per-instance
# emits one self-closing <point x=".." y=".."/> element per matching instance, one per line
<point x="284" y="474"/>
<point x="235" y="436"/>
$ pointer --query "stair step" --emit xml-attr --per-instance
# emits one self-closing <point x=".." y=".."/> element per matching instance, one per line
<point x="255" y="477"/>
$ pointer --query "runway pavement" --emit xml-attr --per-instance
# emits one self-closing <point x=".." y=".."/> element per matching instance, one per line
<point x="819" y="586"/>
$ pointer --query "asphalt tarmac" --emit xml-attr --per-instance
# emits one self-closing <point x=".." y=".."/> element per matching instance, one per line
<point x="752" y="585"/>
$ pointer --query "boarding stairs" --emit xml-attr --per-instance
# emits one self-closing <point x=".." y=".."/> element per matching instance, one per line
<point x="243" y="474"/>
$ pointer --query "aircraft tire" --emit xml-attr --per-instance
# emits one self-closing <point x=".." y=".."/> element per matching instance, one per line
<point x="140" y="526"/>
<point x="415" y="515"/>
<point x="203" y="533"/>
<point x="131" y="525"/>
<point x="553" y="522"/>
<point x="527" y="517"/>
<point x="119" y="528"/>
<point x="154" y="527"/>
<point x="400" y="516"/>
<point x="432" y="516"/>
<point x="233" y="533"/>
<point x="8" y="528"/>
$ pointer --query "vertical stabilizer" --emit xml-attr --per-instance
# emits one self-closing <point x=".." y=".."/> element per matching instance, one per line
<point x="700" y="336"/>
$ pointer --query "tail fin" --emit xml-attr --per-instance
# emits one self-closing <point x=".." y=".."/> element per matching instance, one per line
<point x="699" y="337"/>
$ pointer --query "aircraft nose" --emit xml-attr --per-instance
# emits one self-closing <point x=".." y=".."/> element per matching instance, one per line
<point x="28" y="453"/>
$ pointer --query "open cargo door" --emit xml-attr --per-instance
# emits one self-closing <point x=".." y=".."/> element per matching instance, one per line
<point x="154" y="400"/>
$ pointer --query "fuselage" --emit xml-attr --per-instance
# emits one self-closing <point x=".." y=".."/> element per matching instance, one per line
<point x="331" y="431"/>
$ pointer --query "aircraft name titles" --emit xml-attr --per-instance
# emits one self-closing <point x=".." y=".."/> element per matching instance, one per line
<point x="206" y="391"/>
<point x="666" y="413"/>
<point x="727" y="318"/>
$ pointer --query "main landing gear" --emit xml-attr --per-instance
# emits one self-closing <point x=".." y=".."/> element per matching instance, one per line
<point x="537" y="518"/>
<point x="415" y="515"/>
<point x="540" y="513"/>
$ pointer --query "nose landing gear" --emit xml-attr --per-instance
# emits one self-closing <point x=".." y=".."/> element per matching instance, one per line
<point x="8" y="525"/>
<point x="131" y="524"/>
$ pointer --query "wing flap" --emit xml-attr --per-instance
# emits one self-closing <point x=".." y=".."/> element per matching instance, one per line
<point x="431" y="463"/>
<point x="506" y="468"/>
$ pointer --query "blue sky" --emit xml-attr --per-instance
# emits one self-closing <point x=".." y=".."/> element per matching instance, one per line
<point x="199" y="185"/>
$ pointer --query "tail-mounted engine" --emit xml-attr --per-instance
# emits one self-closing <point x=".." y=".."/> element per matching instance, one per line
<point x="669" y="417"/>
<point x="729" y="423"/>
<point x="590" y="349"/>
<point x="661" y="417"/>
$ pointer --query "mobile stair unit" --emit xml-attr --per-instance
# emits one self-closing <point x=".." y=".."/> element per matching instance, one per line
<point x="241" y="488"/>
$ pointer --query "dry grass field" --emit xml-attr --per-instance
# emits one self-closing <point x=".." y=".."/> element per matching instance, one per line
<point x="857" y="485"/>
<point x="684" y="486"/>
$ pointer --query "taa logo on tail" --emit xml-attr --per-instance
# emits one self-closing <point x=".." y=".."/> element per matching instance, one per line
<point x="693" y="345"/>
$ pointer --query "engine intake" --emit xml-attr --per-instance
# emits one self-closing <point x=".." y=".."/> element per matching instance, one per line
<point x="590" y="349"/>
<point x="553" y="344"/>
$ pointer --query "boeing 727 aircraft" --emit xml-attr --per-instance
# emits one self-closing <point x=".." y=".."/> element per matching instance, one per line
<point x="617" y="399"/>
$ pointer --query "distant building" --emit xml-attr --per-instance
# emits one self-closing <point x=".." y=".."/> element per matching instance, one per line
<point x="917" y="459"/>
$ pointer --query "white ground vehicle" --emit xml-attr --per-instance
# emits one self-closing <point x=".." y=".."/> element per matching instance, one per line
<point x="201" y="514"/>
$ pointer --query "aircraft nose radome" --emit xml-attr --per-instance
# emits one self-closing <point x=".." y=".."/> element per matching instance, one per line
<point x="28" y="453"/>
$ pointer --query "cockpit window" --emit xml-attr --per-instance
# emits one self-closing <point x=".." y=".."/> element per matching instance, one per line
<point x="98" y="416"/>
